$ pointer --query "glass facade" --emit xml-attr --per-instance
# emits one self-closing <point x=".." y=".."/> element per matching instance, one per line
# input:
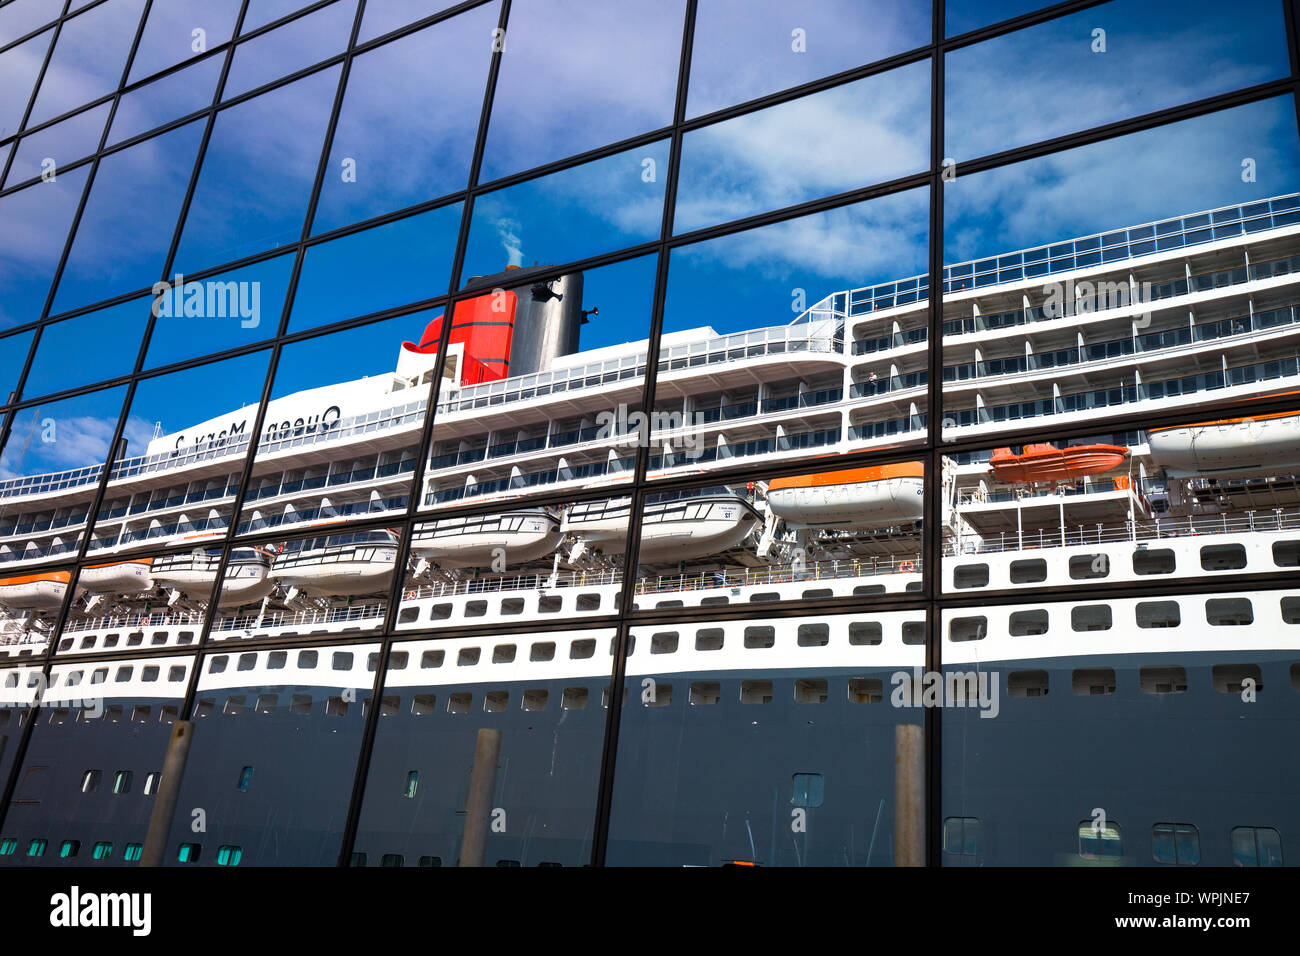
<point x="711" y="433"/>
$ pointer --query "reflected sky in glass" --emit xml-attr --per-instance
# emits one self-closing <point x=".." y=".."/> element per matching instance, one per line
<point x="385" y="16"/>
<point x="169" y="33"/>
<point x="72" y="433"/>
<point x="252" y="311"/>
<point x="257" y="175"/>
<point x="380" y="268"/>
<point x="765" y="277"/>
<point x="1048" y="80"/>
<point x="962" y="16"/>
<point x="262" y="12"/>
<point x="289" y="48"/>
<point x="410" y="114"/>
<point x="1176" y="169"/>
<point x="593" y="208"/>
<point x="89" y="348"/>
<point x="744" y="49"/>
<point x="19" y="68"/>
<point x="871" y="130"/>
<point x="348" y="355"/>
<point x="23" y="16"/>
<point x="64" y="143"/>
<point x="161" y="101"/>
<point x="89" y="58"/>
<point x="130" y="218"/>
<point x="577" y="74"/>
<point x="28" y="257"/>
<point x="13" y="355"/>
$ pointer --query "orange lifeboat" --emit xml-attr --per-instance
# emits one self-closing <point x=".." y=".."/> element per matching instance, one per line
<point x="1049" y="463"/>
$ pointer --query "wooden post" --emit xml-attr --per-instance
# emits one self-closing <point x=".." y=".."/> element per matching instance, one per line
<point x="478" y="806"/>
<point x="169" y="789"/>
<point x="909" y="795"/>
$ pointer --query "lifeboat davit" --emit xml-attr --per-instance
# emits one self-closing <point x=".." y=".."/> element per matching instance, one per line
<point x="118" y="577"/>
<point x="338" y="565"/>
<point x="43" y="591"/>
<point x="523" y="535"/>
<point x="1261" y="443"/>
<point x="1049" y="463"/>
<point x="677" y="528"/>
<point x="853" y="498"/>
<point x="192" y="574"/>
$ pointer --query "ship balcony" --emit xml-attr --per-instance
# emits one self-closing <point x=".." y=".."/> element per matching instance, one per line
<point x="1084" y="504"/>
<point x="660" y="463"/>
<point x="1157" y="354"/>
<point x="1185" y="293"/>
<point x="1079" y="404"/>
<point x="593" y="440"/>
<point x="291" y="517"/>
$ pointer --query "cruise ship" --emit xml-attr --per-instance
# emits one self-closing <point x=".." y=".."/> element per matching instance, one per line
<point x="1193" y="311"/>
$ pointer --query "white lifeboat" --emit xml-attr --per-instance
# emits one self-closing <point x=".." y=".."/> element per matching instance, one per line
<point x="677" y="527"/>
<point x="522" y="535"/>
<point x="338" y="565"/>
<point x="1262" y="443"/>
<point x="192" y="574"/>
<point x="42" y="591"/>
<point x="118" y="577"/>
<point x="854" y="498"/>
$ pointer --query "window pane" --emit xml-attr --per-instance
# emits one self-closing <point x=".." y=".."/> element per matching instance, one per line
<point x="90" y="348"/>
<point x="180" y="29"/>
<point x="257" y="174"/>
<point x="1064" y="75"/>
<point x="796" y="300"/>
<point x="966" y="15"/>
<point x="431" y="721"/>
<point x="19" y="68"/>
<point x="540" y="382"/>
<point x="22" y="17"/>
<point x="384" y="16"/>
<point x="188" y="434"/>
<point x="89" y="58"/>
<point x="321" y="711"/>
<point x="1025" y="344"/>
<point x="287" y="49"/>
<point x="115" y="724"/>
<point x="231" y="308"/>
<point x="818" y="535"/>
<point x="342" y="429"/>
<point x="64" y="143"/>
<point x="410" y="114"/>
<point x="171" y="97"/>
<point x="547" y="107"/>
<point x="13" y="355"/>
<point x="702" y="739"/>
<point x="262" y="12"/>
<point x="745" y="49"/>
<point x="868" y="131"/>
<point x="584" y="211"/>
<point x="49" y="470"/>
<point x="415" y="255"/>
<point x="129" y="220"/>
<point x="30" y="258"/>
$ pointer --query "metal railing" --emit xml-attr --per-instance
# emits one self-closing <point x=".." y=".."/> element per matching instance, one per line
<point x="1228" y="523"/>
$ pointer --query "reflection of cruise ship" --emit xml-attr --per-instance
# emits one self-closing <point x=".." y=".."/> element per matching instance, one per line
<point x="1183" y="312"/>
